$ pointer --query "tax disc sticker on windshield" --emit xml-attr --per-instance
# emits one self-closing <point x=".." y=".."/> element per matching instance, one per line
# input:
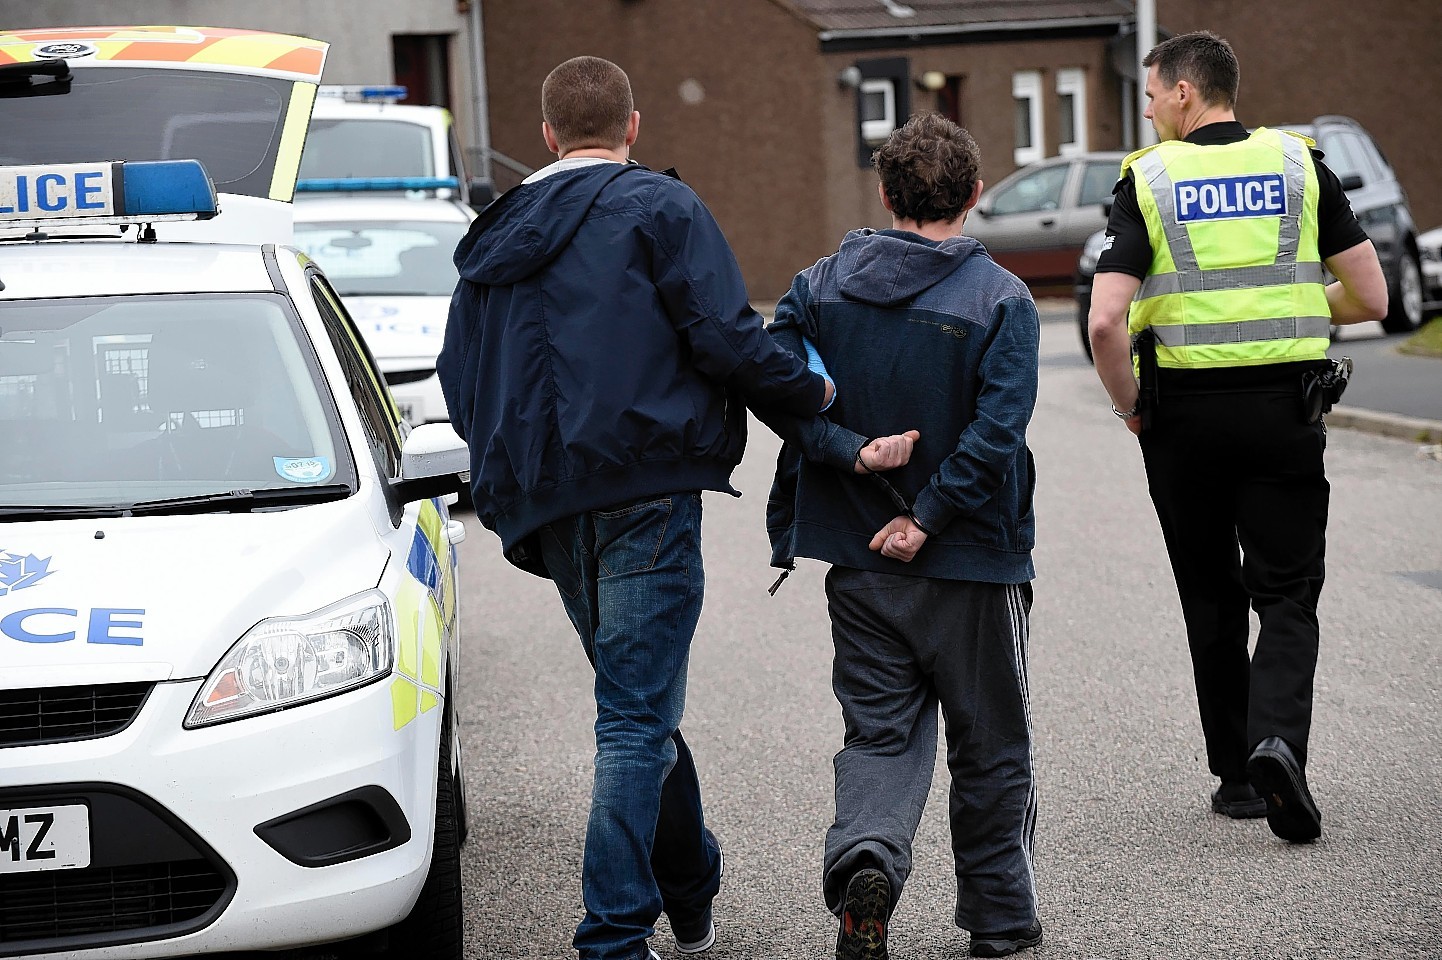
<point x="303" y="469"/>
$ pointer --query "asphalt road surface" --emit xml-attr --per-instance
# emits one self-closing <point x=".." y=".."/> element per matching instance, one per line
<point x="1131" y="862"/>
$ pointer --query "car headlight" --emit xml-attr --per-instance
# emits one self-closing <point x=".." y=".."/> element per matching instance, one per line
<point x="1091" y="253"/>
<point x="286" y="661"/>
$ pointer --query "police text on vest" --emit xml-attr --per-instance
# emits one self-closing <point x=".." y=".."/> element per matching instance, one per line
<point x="1229" y="198"/>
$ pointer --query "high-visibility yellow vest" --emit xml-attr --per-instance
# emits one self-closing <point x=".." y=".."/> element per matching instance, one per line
<point x="1236" y="279"/>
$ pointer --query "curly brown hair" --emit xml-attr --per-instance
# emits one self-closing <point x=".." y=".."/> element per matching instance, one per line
<point x="929" y="168"/>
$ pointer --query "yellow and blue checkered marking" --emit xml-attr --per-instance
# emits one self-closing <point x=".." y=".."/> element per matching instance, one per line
<point x="425" y="616"/>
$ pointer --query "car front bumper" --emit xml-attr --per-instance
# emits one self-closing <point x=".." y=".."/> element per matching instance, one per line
<point x="213" y="787"/>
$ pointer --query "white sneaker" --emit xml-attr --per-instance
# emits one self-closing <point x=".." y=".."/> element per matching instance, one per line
<point x="698" y="946"/>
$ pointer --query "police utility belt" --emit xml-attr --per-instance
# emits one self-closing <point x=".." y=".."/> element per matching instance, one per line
<point x="1322" y="386"/>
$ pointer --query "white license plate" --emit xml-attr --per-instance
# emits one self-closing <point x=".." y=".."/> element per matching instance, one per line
<point x="44" y="838"/>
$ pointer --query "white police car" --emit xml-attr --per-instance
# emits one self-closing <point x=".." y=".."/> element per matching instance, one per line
<point x="228" y="613"/>
<point x="391" y="260"/>
<point x="359" y="131"/>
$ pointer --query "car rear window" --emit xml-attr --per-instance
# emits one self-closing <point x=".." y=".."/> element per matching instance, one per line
<point x="231" y="124"/>
<point x="366" y="148"/>
<point x="109" y="400"/>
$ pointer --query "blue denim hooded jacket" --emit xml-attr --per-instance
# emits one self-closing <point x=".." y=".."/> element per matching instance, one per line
<point x="920" y="335"/>
<point x="600" y="348"/>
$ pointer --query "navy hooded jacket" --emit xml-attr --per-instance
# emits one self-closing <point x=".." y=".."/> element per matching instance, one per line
<point x="599" y="347"/>
<point x="917" y="335"/>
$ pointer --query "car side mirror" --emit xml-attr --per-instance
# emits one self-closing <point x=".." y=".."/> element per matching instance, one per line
<point x="982" y="208"/>
<point x="479" y="192"/>
<point x="435" y="461"/>
<point x="1352" y="181"/>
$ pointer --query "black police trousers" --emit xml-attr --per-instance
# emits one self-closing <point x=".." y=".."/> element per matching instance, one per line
<point x="1238" y="483"/>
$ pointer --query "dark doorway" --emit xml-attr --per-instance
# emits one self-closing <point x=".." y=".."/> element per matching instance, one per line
<point x="423" y="67"/>
<point x="948" y="100"/>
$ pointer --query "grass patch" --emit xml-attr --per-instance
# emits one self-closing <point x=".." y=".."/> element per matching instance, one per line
<point x="1427" y="341"/>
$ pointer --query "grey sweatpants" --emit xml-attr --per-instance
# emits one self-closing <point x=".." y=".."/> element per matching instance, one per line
<point x="903" y="645"/>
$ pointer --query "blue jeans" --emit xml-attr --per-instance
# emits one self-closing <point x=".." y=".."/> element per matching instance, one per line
<point x="631" y="581"/>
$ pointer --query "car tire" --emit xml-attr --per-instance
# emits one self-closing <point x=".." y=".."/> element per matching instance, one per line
<point x="1404" y="296"/>
<point x="435" y="927"/>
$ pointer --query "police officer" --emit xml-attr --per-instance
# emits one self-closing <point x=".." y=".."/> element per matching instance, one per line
<point x="1216" y="244"/>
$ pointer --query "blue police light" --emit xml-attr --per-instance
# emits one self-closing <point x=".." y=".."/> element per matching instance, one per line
<point x="172" y="187"/>
<point x="367" y="184"/>
<point x="121" y="192"/>
<point x="362" y="93"/>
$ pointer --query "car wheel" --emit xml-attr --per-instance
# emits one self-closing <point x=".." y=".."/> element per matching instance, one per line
<point x="1404" y="297"/>
<point x="435" y="927"/>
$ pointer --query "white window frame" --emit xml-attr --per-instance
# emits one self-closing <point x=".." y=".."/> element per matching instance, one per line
<point x="875" y="131"/>
<point x="1073" y="81"/>
<point x="1026" y="85"/>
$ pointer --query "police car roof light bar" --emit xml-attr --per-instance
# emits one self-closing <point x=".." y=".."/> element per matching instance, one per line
<point x="367" y="184"/>
<point x="362" y="93"/>
<point x="119" y="192"/>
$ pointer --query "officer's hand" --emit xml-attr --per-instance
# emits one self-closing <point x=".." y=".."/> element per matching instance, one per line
<point x="900" y="539"/>
<point x="886" y="453"/>
<point x="1134" y="424"/>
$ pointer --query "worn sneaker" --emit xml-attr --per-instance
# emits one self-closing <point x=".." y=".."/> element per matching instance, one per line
<point x="696" y="937"/>
<point x="1239" y="801"/>
<point x="865" y="910"/>
<point x="699" y="935"/>
<point x="1006" y="943"/>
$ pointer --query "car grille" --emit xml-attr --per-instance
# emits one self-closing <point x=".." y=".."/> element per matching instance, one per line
<point x="56" y="714"/>
<point x="397" y="377"/>
<point x="106" y="900"/>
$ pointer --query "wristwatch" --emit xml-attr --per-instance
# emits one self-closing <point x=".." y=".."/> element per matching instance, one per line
<point x="1125" y="414"/>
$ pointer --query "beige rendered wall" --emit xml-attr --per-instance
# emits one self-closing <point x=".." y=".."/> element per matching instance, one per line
<point x="1377" y="62"/>
<point x="986" y="111"/>
<point x="728" y="94"/>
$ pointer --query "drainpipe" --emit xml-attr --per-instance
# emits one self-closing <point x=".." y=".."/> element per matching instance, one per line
<point x="478" y="86"/>
<point x="1146" y="39"/>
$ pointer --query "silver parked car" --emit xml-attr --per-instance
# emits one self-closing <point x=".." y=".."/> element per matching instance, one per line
<point x="1035" y="221"/>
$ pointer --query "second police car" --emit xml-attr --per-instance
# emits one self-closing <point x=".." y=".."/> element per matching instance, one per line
<point x="391" y="259"/>
<point x="229" y="630"/>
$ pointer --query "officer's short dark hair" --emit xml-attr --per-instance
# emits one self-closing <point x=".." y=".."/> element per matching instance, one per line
<point x="587" y="103"/>
<point x="929" y="168"/>
<point x="1204" y="60"/>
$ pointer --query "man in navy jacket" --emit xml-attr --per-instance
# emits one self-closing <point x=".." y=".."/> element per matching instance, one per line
<point x="598" y="360"/>
<point x="930" y="589"/>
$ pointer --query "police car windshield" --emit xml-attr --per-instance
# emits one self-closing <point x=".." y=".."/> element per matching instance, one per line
<point x="366" y="148"/>
<point x="399" y="258"/>
<point x="230" y="123"/>
<point x="120" y="400"/>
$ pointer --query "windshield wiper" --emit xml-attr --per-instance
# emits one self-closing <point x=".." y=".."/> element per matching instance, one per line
<point x="60" y="511"/>
<point x="234" y="501"/>
<point x="18" y="79"/>
<point x="241" y="501"/>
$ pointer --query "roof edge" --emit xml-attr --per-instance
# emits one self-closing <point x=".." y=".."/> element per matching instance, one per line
<point x="995" y="26"/>
<point x="797" y="15"/>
